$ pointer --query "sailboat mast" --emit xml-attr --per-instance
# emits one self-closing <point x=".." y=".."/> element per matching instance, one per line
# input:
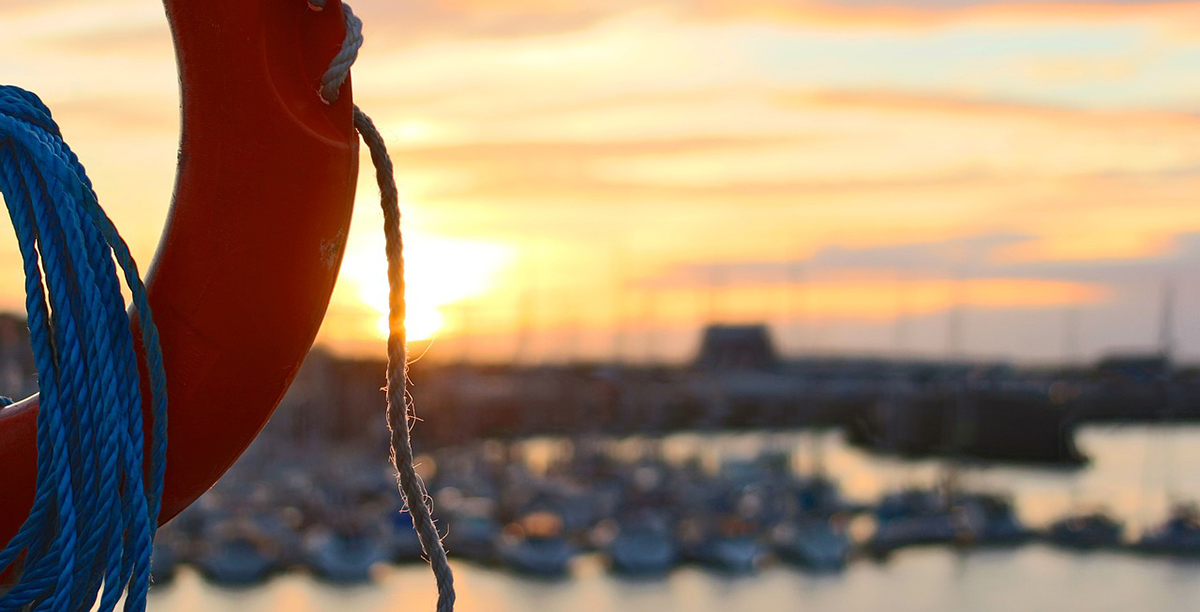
<point x="1166" y="336"/>
<point x="1167" y="381"/>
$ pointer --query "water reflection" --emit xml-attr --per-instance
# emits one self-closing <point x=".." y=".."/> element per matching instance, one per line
<point x="921" y="580"/>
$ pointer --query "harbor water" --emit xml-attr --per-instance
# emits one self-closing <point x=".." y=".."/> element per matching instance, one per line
<point x="1135" y="472"/>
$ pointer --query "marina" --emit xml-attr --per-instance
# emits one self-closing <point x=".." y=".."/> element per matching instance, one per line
<point x="535" y="523"/>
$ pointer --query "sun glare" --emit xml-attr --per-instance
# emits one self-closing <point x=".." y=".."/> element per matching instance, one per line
<point x="421" y="323"/>
<point x="439" y="272"/>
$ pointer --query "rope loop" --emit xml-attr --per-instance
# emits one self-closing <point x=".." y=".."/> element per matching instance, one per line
<point x="339" y="67"/>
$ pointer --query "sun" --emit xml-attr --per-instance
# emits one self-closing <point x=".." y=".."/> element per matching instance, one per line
<point x="440" y="272"/>
<point x="420" y="323"/>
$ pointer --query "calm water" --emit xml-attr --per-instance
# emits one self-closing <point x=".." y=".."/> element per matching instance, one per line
<point x="1134" y="471"/>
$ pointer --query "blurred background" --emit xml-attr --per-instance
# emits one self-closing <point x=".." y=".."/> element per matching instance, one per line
<point x="718" y="304"/>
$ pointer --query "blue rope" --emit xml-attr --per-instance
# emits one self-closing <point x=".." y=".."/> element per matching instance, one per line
<point x="91" y="528"/>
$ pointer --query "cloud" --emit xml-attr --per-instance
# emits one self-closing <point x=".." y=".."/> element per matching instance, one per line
<point x="837" y="151"/>
<point x="122" y="40"/>
<point x="539" y="152"/>
<point x="885" y="281"/>
<point x="961" y="106"/>
<point x="923" y="14"/>
<point x="971" y="256"/>
<point x="418" y="22"/>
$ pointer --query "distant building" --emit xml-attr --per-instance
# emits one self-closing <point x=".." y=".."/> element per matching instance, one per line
<point x="1133" y="368"/>
<point x="736" y="347"/>
<point x="18" y="375"/>
<point x="333" y="400"/>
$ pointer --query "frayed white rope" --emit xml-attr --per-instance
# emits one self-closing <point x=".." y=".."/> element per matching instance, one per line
<point x="400" y="416"/>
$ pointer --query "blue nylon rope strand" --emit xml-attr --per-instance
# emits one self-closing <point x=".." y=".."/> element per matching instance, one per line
<point x="146" y="324"/>
<point x="56" y="260"/>
<point x="141" y="511"/>
<point x="93" y="519"/>
<point x="95" y="467"/>
<point x="91" y="396"/>
<point x="66" y="344"/>
<point x="16" y="199"/>
<point x="107" y="529"/>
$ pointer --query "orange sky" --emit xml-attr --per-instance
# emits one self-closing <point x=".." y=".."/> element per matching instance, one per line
<point x="580" y="178"/>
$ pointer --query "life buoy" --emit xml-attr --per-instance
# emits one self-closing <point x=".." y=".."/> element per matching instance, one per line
<point x="252" y="243"/>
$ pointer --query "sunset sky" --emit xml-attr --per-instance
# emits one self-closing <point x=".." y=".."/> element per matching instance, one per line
<point x="584" y="177"/>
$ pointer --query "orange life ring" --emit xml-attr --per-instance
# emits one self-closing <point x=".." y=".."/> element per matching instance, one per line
<point x="252" y="244"/>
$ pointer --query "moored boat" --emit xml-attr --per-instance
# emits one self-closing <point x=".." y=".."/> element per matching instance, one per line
<point x="1179" y="536"/>
<point x="990" y="520"/>
<point x="643" y="547"/>
<point x="1086" y="531"/>
<point x="344" y="555"/>
<point x="816" y="543"/>
<point x="535" y="545"/>
<point x="912" y="517"/>
<point x="731" y="545"/>
<point x="238" y="556"/>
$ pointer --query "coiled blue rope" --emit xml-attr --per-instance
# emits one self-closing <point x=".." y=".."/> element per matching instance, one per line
<point x="91" y="529"/>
